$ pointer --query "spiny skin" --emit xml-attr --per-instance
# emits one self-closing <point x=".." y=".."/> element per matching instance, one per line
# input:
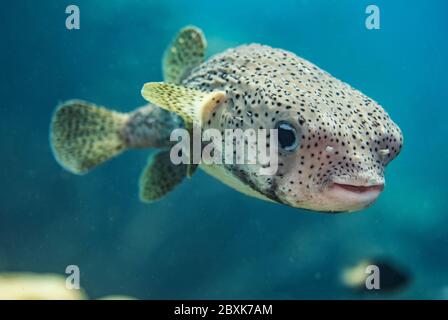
<point x="344" y="136"/>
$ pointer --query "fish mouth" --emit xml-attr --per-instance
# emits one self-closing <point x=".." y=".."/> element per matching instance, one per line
<point x="342" y="196"/>
<point x="359" y="189"/>
<point x="352" y="196"/>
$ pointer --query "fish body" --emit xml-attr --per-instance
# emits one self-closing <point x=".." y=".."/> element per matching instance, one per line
<point x="342" y="132"/>
<point x="333" y="141"/>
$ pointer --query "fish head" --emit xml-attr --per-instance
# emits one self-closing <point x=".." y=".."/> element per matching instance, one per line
<point x="334" y="160"/>
<point x="333" y="141"/>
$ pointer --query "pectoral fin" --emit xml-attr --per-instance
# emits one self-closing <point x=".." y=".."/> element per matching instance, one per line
<point x="194" y="106"/>
<point x="160" y="176"/>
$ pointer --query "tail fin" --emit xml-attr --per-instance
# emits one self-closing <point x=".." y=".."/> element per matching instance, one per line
<point x="83" y="135"/>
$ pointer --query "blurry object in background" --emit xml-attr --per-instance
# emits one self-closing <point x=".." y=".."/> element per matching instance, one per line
<point x="117" y="297"/>
<point x="31" y="286"/>
<point x="392" y="278"/>
<point x="34" y="286"/>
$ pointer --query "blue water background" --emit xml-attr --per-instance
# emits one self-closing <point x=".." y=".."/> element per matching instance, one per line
<point x="205" y="240"/>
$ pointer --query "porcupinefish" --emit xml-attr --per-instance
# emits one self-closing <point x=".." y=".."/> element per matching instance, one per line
<point x="333" y="141"/>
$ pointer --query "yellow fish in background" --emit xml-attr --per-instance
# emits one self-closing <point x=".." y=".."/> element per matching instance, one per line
<point x="33" y="286"/>
<point x="333" y="141"/>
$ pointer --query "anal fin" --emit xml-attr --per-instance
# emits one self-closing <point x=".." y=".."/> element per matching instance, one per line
<point x="160" y="176"/>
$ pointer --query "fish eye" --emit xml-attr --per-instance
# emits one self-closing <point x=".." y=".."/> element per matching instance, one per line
<point x="287" y="136"/>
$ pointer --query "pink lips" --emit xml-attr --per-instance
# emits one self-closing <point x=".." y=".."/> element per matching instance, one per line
<point x="360" y="189"/>
<point x="351" y="197"/>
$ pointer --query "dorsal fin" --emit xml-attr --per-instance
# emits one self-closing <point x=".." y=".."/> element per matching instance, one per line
<point x="185" y="52"/>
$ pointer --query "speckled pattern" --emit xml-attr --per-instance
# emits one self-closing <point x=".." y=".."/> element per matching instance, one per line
<point x="344" y="136"/>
